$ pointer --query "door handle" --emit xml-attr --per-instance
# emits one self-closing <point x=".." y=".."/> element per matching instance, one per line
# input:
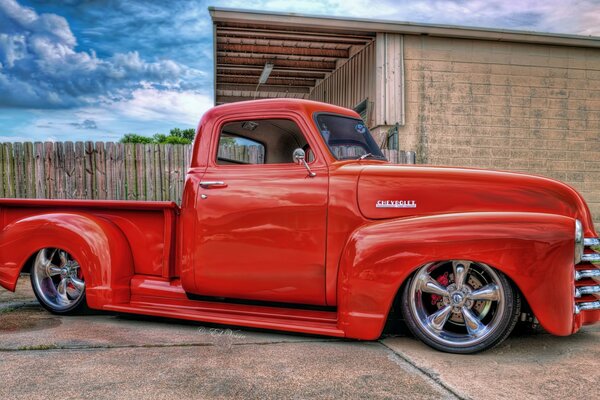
<point x="213" y="184"/>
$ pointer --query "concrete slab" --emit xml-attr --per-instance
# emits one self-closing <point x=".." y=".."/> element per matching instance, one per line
<point x="536" y="366"/>
<point x="244" y="371"/>
<point x="24" y="293"/>
<point x="117" y="356"/>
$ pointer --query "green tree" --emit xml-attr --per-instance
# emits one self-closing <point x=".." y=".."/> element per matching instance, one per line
<point x="187" y="134"/>
<point x="135" y="138"/>
<point x="175" y="136"/>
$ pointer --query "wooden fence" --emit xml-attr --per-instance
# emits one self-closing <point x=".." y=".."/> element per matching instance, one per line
<point x="98" y="170"/>
<point x="88" y="170"/>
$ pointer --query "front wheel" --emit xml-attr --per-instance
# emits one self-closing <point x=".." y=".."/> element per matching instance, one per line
<point x="460" y="306"/>
<point x="58" y="282"/>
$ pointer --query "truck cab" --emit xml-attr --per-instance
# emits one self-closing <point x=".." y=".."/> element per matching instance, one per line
<point x="259" y="216"/>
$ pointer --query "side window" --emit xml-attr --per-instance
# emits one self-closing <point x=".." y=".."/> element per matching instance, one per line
<point x="239" y="150"/>
<point x="266" y="141"/>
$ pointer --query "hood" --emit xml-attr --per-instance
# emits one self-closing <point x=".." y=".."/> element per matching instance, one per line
<point x="393" y="191"/>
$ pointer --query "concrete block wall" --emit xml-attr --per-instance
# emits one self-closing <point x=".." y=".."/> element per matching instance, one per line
<point x="508" y="106"/>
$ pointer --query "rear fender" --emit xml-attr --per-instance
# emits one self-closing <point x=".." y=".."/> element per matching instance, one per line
<point x="535" y="251"/>
<point x="98" y="245"/>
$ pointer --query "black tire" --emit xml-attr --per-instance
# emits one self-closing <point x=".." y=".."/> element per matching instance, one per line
<point x="45" y="278"/>
<point x="426" y="328"/>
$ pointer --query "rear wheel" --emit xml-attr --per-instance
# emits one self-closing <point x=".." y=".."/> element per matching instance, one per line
<point x="460" y="306"/>
<point x="58" y="282"/>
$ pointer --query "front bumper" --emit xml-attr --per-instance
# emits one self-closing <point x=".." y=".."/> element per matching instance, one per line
<point x="587" y="285"/>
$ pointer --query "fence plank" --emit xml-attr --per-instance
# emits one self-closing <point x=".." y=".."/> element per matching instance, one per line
<point x="20" y="182"/>
<point x="111" y="187"/>
<point x="40" y="184"/>
<point x="80" y="192"/>
<point x="119" y="181"/>
<point x="9" y="169"/>
<point x="100" y="171"/>
<point x="89" y="168"/>
<point x="149" y="172"/>
<point x="2" y="172"/>
<point x="59" y="170"/>
<point x="158" y="167"/>
<point x="29" y="176"/>
<point x="49" y="170"/>
<point x="140" y="158"/>
<point x="130" y="171"/>
<point x="69" y="171"/>
<point x="170" y="172"/>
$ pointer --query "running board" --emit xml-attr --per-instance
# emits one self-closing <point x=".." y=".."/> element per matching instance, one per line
<point x="317" y="323"/>
<point x="166" y="298"/>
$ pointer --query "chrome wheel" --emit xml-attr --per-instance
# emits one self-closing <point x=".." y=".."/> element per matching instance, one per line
<point x="460" y="305"/>
<point x="57" y="280"/>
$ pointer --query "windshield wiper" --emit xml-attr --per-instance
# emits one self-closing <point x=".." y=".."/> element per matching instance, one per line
<point x="365" y="156"/>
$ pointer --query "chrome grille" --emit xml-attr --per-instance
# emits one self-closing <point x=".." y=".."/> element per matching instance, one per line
<point x="587" y="278"/>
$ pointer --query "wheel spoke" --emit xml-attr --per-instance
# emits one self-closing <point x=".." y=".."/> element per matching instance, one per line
<point x="461" y="269"/>
<point x="78" y="283"/>
<point x="488" y="292"/>
<point x="47" y="260"/>
<point x="438" y="319"/>
<point x="63" y="258"/>
<point x="429" y="285"/>
<point x="45" y="265"/>
<point x="473" y="324"/>
<point x="53" y="270"/>
<point x="62" y="291"/>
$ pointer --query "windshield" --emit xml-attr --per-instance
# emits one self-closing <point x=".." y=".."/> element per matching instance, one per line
<point x="347" y="138"/>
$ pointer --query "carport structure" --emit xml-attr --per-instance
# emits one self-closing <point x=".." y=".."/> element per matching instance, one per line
<point x="300" y="57"/>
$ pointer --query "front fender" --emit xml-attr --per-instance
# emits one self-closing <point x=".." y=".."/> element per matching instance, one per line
<point x="535" y="250"/>
<point x="97" y="244"/>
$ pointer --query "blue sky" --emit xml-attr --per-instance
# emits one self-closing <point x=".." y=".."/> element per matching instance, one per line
<point x="96" y="70"/>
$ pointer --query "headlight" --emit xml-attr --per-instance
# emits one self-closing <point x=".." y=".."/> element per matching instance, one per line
<point x="578" y="241"/>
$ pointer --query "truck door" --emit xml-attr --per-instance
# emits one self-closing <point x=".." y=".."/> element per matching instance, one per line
<point x="261" y="219"/>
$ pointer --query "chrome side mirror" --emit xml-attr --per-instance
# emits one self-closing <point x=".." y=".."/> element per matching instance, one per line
<point x="300" y="158"/>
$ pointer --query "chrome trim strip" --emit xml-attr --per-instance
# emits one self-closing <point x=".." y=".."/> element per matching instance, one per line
<point x="587" y="273"/>
<point x="591" y="242"/>
<point x="591" y="257"/>
<point x="583" y="290"/>
<point x="592" y="305"/>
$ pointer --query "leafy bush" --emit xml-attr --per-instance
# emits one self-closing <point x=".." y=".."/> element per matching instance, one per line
<point x="175" y="136"/>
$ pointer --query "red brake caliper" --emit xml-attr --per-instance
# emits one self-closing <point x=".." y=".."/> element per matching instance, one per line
<point x="442" y="280"/>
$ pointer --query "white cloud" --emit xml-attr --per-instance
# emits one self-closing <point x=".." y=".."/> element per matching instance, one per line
<point x="41" y="67"/>
<point x="147" y="111"/>
<point x="150" y="105"/>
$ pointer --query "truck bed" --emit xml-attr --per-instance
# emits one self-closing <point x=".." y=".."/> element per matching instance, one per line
<point x="149" y="226"/>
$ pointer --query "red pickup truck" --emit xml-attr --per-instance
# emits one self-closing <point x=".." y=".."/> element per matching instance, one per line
<point x="292" y="219"/>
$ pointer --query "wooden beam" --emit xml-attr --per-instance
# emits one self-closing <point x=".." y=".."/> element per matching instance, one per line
<point x="221" y="78"/>
<point x="285" y="50"/>
<point x="265" y="88"/>
<point x="278" y="56"/>
<point x="326" y="66"/>
<point x="277" y="72"/>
